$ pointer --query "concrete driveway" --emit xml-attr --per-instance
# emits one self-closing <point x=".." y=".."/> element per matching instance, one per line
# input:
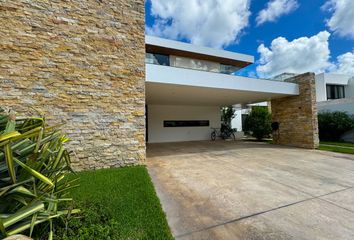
<point x="238" y="190"/>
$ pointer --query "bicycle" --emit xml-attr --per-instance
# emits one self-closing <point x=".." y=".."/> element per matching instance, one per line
<point x="225" y="132"/>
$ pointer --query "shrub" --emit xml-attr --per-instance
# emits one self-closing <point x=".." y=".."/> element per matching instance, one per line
<point x="33" y="182"/>
<point x="258" y="122"/>
<point x="332" y="125"/>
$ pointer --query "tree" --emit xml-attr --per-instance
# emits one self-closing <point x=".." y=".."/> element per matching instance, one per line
<point x="227" y="114"/>
<point x="258" y="122"/>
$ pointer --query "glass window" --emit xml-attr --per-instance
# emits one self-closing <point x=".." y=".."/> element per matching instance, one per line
<point x="189" y="63"/>
<point x="197" y="64"/>
<point x="228" y="69"/>
<point x="335" y="92"/>
<point x="159" y="59"/>
<point x="189" y="123"/>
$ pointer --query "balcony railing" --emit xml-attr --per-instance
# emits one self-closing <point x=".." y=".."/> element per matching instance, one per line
<point x="189" y="63"/>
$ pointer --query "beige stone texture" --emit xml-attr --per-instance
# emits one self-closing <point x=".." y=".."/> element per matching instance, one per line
<point x="297" y="115"/>
<point x="18" y="237"/>
<point x="82" y="62"/>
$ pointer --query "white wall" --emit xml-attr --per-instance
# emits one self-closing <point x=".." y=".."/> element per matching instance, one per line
<point x="158" y="113"/>
<point x="236" y="122"/>
<point x="321" y="94"/>
<point x="349" y="89"/>
<point x="336" y="79"/>
<point x="342" y="105"/>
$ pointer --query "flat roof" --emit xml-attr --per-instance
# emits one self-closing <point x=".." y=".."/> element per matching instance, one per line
<point x="171" y="85"/>
<point x="165" y="46"/>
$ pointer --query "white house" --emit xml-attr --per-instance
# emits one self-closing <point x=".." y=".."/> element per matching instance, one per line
<point x="186" y="85"/>
<point x="335" y="92"/>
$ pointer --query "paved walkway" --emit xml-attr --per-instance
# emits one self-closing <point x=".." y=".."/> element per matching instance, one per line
<point x="236" y="190"/>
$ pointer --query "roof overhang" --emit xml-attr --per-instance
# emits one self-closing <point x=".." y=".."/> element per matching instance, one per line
<point x="169" y="47"/>
<point x="176" y="86"/>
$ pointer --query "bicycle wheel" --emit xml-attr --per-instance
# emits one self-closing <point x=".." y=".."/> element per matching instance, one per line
<point x="213" y="136"/>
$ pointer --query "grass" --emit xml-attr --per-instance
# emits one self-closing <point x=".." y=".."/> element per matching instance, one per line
<point x="343" y="144"/>
<point x="340" y="147"/>
<point x="129" y="198"/>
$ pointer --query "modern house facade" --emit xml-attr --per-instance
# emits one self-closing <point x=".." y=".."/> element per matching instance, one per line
<point x="335" y="92"/>
<point x="88" y="63"/>
<point x="186" y="85"/>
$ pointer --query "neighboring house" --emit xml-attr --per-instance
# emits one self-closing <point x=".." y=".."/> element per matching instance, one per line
<point x="240" y="115"/>
<point x="88" y="63"/>
<point x="335" y="92"/>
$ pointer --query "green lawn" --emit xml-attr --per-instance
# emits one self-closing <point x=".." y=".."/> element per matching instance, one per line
<point x="340" y="147"/>
<point x="124" y="201"/>
<point x="343" y="144"/>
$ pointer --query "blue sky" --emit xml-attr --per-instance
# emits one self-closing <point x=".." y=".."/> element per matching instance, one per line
<point x="303" y="19"/>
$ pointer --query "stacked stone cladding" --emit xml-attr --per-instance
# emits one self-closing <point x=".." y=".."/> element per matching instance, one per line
<point x="297" y="115"/>
<point x="79" y="62"/>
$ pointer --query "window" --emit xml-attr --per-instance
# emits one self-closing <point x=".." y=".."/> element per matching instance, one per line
<point x="188" y="123"/>
<point x="335" y="92"/>
<point x="228" y="69"/>
<point x="189" y="63"/>
<point x="196" y="64"/>
<point x="158" y="59"/>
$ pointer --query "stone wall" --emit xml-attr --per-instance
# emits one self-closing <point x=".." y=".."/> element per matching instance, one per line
<point x="297" y="115"/>
<point x="79" y="61"/>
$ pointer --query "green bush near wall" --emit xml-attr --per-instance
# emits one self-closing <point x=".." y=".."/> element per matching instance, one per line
<point x="332" y="125"/>
<point x="258" y="122"/>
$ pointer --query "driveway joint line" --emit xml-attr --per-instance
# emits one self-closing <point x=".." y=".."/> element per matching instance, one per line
<point x="260" y="213"/>
<point x="243" y="218"/>
<point x="320" y="196"/>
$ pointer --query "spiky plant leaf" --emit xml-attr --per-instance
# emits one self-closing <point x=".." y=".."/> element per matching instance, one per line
<point x="10" y="162"/>
<point x="34" y="173"/>
<point x="33" y="169"/>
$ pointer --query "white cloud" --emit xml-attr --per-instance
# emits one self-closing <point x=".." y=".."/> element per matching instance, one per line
<point x="345" y="64"/>
<point x="213" y="23"/>
<point x="342" y="20"/>
<point x="275" y="9"/>
<point x="305" y="54"/>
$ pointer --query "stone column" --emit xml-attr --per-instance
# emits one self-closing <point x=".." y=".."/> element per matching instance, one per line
<point x="297" y="115"/>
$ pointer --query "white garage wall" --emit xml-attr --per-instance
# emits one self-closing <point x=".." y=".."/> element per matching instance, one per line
<point x="158" y="113"/>
<point x="236" y="122"/>
<point x="321" y="94"/>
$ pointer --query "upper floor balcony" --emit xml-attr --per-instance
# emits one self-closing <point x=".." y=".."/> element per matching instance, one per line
<point x="189" y="63"/>
<point x="180" y="73"/>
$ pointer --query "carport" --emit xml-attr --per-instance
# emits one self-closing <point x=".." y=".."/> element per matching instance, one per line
<point x="248" y="190"/>
<point x="183" y="104"/>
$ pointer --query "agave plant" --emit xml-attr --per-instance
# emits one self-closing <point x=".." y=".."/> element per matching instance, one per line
<point x="34" y="186"/>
